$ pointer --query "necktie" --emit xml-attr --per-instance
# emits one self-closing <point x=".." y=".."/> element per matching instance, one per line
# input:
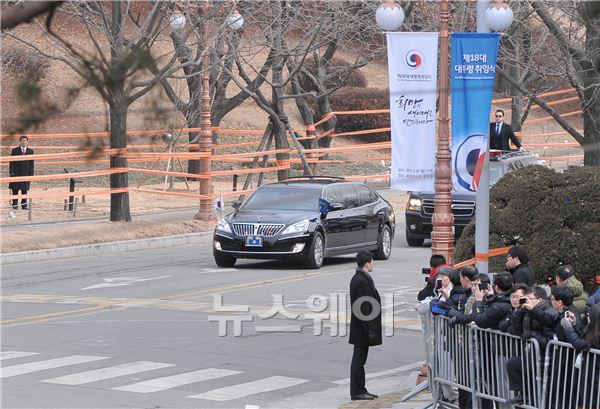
<point x="498" y="129"/>
<point x="24" y="150"/>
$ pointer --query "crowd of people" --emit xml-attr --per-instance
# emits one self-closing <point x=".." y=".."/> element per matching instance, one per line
<point x="515" y="304"/>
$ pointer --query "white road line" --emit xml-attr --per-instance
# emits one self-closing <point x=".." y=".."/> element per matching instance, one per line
<point x="392" y="371"/>
<point x="22" y="369"/>
<point x="107" y="373"/>
<point x="217" y="270"/>
<point x="250" y="388"/>
<point x="170" y="382"/>
<point x="15" y="354"/>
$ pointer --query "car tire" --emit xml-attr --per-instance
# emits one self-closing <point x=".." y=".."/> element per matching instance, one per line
<point x="225" y="261"/>
<point x="414" y="242"/>
<point x="384" y="246"/>
<point x="316" y="255"/>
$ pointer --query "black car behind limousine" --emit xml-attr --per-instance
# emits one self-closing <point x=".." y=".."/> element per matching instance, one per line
<point x="306" y="219"/>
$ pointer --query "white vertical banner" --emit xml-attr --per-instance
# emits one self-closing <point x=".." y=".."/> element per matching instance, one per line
<point x="412" y="64"/>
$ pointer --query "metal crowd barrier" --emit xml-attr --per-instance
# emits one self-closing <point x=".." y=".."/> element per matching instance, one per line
<point x="571" y="380"/>
<point x="493" y="350"/>
<point x="474" y="360"/>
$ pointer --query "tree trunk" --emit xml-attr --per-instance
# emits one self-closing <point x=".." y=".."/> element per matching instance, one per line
<point x="119" y="202"/>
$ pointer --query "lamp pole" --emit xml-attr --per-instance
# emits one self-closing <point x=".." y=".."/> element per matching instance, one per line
<point x="390" y="16"/>
<point x="205" y="140"/>
<point x="442" y="236"/>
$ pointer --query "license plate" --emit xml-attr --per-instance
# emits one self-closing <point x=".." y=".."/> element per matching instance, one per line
<point x="254" y="241"/>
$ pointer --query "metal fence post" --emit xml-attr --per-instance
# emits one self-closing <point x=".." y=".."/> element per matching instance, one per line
<point x="75" y="207"/>
<point x="29" y="209"/>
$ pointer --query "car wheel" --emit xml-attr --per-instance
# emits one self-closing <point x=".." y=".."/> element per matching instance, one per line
<point x="317" y="252"/>
<point x="384" y="249"/>
<point x="225" y="261"/>
<point x="414" y="242"/>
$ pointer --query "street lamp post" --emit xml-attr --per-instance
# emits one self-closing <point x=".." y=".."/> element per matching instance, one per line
<point x="205" y="140"/>
<point x="442" y="235"/>
<point x="177" y="22"/>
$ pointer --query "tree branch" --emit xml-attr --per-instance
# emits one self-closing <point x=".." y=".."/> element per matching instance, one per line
<point x="24" y="12"/>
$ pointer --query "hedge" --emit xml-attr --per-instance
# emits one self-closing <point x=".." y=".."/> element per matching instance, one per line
<point x="356" y="99"/>
<point x="557" y="214"/>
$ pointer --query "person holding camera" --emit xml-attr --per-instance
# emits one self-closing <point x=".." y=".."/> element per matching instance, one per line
<point x="436" y="262"/>
<point x="492" y="305"/>
<point x="528" y="320"/>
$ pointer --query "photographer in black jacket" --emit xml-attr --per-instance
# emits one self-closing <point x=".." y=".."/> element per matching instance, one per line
<point x="530" y="321"/>
<point x="491" y="311"/>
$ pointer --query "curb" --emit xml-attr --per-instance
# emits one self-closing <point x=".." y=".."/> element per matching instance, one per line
<point x="103" y="248"/>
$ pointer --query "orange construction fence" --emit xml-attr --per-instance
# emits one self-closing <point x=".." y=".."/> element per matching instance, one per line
<point x="482" y="257"/>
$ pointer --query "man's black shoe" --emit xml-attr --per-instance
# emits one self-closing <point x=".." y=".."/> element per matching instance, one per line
<point x="372" y="394"/>
<point x="517" y="400"/>
<point x="362" y="396"/>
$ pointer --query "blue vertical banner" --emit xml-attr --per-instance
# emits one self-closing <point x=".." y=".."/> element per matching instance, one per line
<point x="472" y="74"/>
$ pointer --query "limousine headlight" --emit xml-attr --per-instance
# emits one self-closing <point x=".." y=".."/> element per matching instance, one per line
<point x="414" y="204"/>
<point x="222" y="225"/>
<point x="300" y="227"/>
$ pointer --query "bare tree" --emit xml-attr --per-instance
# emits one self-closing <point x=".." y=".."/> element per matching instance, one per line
<point x="115" y="60"/>
<point x="554" y="45"/>
<point x="223" y="47"/>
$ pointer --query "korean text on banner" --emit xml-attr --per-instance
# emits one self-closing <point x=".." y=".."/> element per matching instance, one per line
<point x="473" y="69"/>
<point x="412" y="62"/>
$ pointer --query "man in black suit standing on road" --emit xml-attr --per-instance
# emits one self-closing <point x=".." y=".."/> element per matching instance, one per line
<point x="365" y="324"/>
<point x="20" y="168"/>
<point x="501" y="133"/>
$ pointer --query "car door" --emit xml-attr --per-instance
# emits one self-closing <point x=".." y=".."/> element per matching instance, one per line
<point x="369" y="214"/>
<point x="334" y="220"/>
<point x="355" y="222"/>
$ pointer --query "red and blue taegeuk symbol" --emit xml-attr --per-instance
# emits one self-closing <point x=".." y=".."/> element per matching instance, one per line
<point x="413" y="59"/>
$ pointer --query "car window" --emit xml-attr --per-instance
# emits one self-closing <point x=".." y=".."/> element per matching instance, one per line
<point x="365" y="195"/>
<point x="347" y="196"/>
<point x="283" y="198"/>
<point x="332" y="196"/>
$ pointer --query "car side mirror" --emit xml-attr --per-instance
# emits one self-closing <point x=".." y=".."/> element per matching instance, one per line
<point x="236" y="204"/>
<point x="336" y="206"/>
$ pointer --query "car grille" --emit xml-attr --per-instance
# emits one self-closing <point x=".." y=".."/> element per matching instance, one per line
<point x="459" y="207"/>
<point x="258" y="229"/>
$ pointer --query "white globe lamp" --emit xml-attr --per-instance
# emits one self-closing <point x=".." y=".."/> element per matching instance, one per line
<point x="235" y="21"/>
<point x="177" y="21"/>
<point x="499" y="16"/>
<point x="389" y="15"/>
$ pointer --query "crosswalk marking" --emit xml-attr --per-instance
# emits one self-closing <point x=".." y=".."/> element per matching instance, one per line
<point x="22" y="369"/>
<point x="15" y="354"/>
<point x="250" y="388"/>
<point x="387" y="372"/>
<point x="170" y="382"/>
<point x="107" y="373"/>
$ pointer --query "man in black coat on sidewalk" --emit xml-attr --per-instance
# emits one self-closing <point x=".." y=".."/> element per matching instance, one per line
<point x="365" y="324"/>
<point x="20" y="168"/>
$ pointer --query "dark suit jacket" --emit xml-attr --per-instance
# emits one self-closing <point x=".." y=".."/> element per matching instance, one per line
<point x="20" y="168"/>
<point x="362" y="285"/>
<point x="501" y="141"/>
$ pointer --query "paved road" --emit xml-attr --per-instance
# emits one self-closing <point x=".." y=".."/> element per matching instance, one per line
<point x="142" y="330"/>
